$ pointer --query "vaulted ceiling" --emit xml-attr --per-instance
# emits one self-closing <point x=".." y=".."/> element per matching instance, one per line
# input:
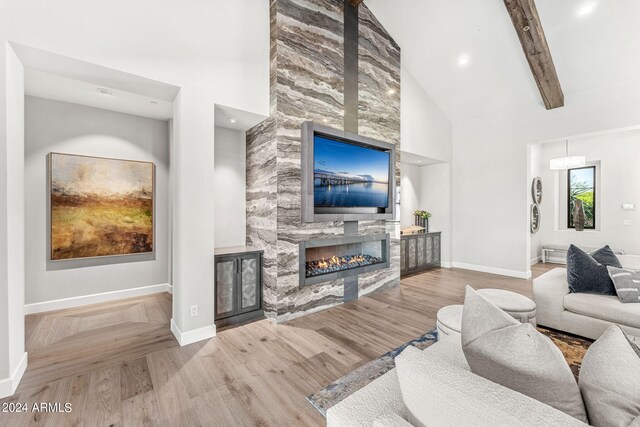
<point x="467" y="56"/>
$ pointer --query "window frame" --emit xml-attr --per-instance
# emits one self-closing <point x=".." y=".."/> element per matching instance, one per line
<point x="595" y="199"/>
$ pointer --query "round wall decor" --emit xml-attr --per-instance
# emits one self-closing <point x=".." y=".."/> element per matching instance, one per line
<point x="536" y="190"/>
<point x="535" y="218"/>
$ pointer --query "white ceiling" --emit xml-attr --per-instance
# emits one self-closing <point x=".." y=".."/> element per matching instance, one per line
<point x="58" y="88"/>
<point x="589" y="50"/>
<point x="416" y="159"/>
<point x="233" y="118"/>
<point x="65" y="79"/>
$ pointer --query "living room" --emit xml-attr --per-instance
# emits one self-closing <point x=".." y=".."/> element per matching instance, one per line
<point x="319" y="212"/>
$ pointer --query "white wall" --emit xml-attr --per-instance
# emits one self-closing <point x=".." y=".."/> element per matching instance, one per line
<point x="231" y="187"/>
<point x="435" y="197"/>
<point x="53" y="126"/>
<point x="424" y="128"/>
<point x="491" y="188"/>
<point x="427" y="132"/>
<point x="616" y="157"/>
<point x="12" y="354"/>
<point x="411" y="192"/>
<point x="536" y="170"/>
<point x="183" y="44"/>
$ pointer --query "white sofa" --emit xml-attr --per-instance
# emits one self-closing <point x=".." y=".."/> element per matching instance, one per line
<point x="380" y="403"/>
<point x="587" y="315"/>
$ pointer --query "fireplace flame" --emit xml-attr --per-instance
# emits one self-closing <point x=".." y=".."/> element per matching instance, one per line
<point x="339" y="263"/>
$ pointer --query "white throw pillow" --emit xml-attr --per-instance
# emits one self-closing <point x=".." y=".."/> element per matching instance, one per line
<point x="610" y="380"/>
<point x="436" y="393"/>
<point x="517" y="356"/>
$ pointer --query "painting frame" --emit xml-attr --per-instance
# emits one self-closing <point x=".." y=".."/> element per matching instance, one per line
<point x="51" y="206"/>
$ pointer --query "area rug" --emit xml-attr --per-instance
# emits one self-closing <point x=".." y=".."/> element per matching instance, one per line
<point x="360" y="377"/>
<point x="573" y="348"/>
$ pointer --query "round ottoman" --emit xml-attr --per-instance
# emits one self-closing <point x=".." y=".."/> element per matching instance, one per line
<point x="518" y="306"/>
<point x="449" y="320"/>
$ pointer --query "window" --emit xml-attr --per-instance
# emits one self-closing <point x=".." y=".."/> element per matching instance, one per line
<point x="582" y="185"/>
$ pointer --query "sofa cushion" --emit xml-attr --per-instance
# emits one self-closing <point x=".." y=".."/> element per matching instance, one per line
<point x="363" y="407"/>
<point x="603" y="307"/>
<point x="380" y="398"/>
<point x="517" y="356"/>
<point x="437" y="393"/>
<point x="605" y="256"/>
<point x="588" y="273"/>
<point x="610" y="381"/>
<point x="627" y="283"/>
<point x="391" y="419"/>
<point x="449" y="349"/>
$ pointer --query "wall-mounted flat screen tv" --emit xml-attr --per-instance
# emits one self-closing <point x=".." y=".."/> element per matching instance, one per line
<point x="349" y="175"/>
<point x="346" y="176"/>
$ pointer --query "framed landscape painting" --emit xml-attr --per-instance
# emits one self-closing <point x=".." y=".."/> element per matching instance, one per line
<point x="100" y="207"/>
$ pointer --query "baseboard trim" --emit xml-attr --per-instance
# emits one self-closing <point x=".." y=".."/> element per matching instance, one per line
<point x="493" y="270"/>
<point x="445" y="264"/>
<point x="59" y="304"/>
<point x="9" y="385"/>
<point x="189" y="337"/>
<point x="535" y="260"/>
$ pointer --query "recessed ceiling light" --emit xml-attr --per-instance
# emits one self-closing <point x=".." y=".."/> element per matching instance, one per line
<point x="232" y="120"/>
<point x="463" y="60"/>
<point x="325" y="120"/>
<point x="153" y="101"/>
<point x="104" y="91"/>
<point x="419" y="161"/>
<point x="586" y="9"/>
<point x="391" y="92"/>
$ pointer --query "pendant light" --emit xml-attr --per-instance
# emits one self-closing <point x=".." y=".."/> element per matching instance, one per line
<point x="567" y="162"/>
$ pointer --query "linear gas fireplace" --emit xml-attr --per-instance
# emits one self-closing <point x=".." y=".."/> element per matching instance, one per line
<point x="330" y="259"/>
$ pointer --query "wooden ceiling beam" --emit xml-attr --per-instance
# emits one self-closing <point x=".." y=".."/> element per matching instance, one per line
<point x="526" y="21"/>
<point x="355" y="2"/>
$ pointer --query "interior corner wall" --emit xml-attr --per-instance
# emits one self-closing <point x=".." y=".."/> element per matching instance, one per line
<point x="425" y="129"/>
<point x="536" y="170"/>
<point x="435" y="197"/>
<point x="491" y="192"/>
<point x="193" y="214"/>
<point x="410" y="193"/>
<point x="12" y="355"/>
<point x="53" y="126"/>
<point x="231" y="187"/>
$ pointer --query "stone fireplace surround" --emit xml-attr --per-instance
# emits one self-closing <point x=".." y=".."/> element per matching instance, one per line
<point x="313" y="76"/>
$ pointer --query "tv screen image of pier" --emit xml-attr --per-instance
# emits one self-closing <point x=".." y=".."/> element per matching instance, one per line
<point x="349" y="175"/>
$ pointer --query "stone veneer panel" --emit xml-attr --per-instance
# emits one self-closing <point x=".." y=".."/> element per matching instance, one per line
<point x="307" y="77"/>
<point x="379" y="118"/>
<point x="261" y="205"/>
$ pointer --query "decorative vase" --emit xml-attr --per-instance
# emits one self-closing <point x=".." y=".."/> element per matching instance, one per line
<point x="578" y="215"/>
<point x="419" y="221"/>
<point x="426" y="225"/>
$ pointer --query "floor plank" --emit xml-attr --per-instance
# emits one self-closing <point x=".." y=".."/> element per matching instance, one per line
<point x="118" y="364"/>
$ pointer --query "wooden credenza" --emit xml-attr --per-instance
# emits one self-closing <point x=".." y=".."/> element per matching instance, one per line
<point x="419" y="252"/>
<point x="238" y="285"/>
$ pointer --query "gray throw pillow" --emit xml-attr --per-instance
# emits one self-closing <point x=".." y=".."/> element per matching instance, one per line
<point x="515" y="355"/>
<point x="610" y="380"/>
<point x="588" y="273"/>
<point x="627" y="283"/>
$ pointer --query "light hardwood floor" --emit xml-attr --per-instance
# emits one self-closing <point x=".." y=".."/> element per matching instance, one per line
<point x="118" y="364"/>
